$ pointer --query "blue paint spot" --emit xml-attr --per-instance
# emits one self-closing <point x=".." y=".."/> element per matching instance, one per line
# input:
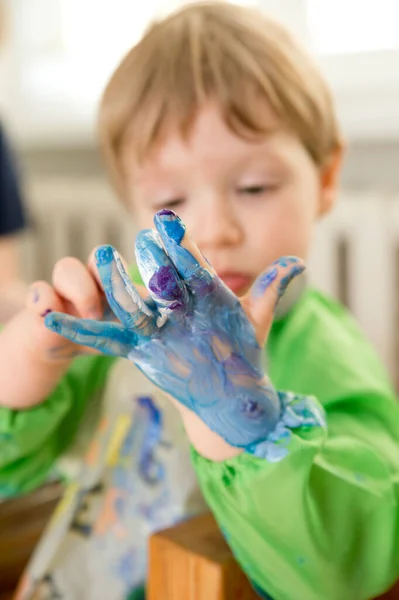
<point x="264" y="282"/>
<point x="104" y="255"/>
<point x="52" y="323"/>
<point x="125" y="567"/>
<point x="150" y="469"/>
<point x="171" y="224"/>
<point x="286" y="261"/>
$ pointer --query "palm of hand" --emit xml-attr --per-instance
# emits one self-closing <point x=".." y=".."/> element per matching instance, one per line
<point x="207" y="357"/>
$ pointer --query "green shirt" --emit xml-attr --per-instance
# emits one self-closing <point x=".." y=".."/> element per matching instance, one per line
<point x="324" y="522"/>
<point x="320" y="524"/>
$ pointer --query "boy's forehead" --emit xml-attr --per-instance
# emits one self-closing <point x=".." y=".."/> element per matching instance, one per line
<point x="209" y="136"/>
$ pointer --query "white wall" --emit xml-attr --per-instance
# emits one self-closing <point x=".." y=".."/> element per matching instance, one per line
<point x="54" y="66"/>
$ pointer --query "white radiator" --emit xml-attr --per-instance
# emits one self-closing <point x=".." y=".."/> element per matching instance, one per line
<point x="69" y="218"/>
<point x="354" y="257"/>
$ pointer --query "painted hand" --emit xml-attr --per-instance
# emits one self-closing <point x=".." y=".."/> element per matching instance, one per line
<point x="197" y="341"/>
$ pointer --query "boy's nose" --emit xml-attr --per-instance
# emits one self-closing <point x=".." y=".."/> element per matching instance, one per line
<point x="217" y="225"/>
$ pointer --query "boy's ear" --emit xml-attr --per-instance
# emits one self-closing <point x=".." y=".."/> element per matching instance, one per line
<point x="329" y="179"/>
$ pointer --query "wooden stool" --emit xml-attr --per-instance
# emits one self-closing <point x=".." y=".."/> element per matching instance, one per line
<point x="192" y="561"/>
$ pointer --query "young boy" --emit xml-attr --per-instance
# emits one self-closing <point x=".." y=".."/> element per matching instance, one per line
<point x="220" y="116"/>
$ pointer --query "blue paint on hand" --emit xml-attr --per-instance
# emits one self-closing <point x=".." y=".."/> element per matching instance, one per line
<point x="172" y="230"/>
<point x="164" y="284"/>
<point x="264" y="282"/>
<point x="171" y="224"/>
<point x="104" y="255"/>
<point x="197" y="344"/>
<point x="294" y="272"/>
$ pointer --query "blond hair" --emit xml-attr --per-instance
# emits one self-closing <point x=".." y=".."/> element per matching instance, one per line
<point x="220" y="51"/>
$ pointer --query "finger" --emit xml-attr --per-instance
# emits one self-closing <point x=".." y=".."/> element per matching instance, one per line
<point x="92" y="266"/>
<point x="185" y="255"/>
<point x="268" y="288"/>
<point x="123" y="298"/>
<point x="74" y="282"/>
<point x="108" y="338"/>
<point x="158" y="273"/>
<point x="42" y="299"/>
<point x="141" y="289"/>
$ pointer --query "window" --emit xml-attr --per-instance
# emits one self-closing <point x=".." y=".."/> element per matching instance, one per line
<point x="357" y="45"/>
<point x="63" y="51"/>
<point x="346" y="27"/>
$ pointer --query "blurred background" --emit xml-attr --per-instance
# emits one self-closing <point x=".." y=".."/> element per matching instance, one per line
<point x="55" y="58"/>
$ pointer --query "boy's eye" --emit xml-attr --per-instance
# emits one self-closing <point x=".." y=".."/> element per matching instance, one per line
<point x="256" y="190"/>
<point x="173" y="203"/>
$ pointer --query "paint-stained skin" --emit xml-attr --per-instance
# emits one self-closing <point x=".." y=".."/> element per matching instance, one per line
<point x="195" y="342"/>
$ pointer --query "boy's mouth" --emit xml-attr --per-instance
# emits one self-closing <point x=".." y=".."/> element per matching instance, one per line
<point x="239" y="283"/>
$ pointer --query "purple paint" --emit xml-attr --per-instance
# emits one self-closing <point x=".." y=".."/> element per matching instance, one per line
<point x="166" y="211"/>
<point x="176" y="305"/>
<point x="251" y="408"/>
<point x="204" y="284"/>
<point x="46" y="312"/>
<point x="35" y="295"/>
<point x="164" y="284"/>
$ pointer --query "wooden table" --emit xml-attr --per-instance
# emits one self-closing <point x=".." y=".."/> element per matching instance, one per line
<point x="22" y="521"/>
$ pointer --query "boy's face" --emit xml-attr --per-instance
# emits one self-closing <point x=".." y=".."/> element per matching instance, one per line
<point x="244" y="203"/>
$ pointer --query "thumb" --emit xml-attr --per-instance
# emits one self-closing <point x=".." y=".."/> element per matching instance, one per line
<point x="267" y="290"/>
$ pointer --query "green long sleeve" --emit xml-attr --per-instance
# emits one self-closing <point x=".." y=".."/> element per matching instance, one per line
<point x="32" y="440"/>
<point x="324" y="521"/>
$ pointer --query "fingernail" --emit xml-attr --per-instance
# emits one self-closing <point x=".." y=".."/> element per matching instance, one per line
<point x="286" y="261"/>
<point x="104" y="255"/>
<point x="46" y="312"/>
<point x="295" y="271"/>
<point x="171" y="224"/>
<point x="264" y="282"/>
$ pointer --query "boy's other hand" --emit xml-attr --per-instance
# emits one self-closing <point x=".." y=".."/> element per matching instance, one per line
<point x="75" y="290"/>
